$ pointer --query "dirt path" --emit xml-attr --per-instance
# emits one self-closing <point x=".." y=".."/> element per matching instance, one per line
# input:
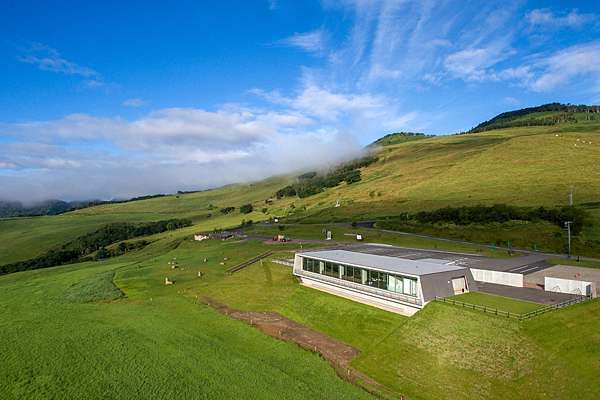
<point x="338" y="354"/>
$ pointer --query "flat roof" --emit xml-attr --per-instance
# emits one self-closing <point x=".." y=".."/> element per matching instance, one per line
<point x="385" y="263"/>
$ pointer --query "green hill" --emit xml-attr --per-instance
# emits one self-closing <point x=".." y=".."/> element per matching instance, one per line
<point x="112" y="328"/>
<point x="519" y="166"/>
<point x="398" y="137"/>
<point x="547" y="114"/>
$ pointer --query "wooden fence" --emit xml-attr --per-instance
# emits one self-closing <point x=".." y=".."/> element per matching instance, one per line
<point x="246" y="263"/>
<point x="507" y="314"/>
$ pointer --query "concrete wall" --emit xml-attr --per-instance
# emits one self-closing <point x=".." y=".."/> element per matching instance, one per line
<point x="440" y="284"/>
<point x="572" y="286"/>
<point x="498" y="277"/>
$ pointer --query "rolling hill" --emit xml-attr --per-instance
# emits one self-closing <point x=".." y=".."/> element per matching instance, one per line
<point x="113" y="328"/>
<point x="519" y="166"/>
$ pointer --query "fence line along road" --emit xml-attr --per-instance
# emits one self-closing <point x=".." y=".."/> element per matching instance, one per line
<point x="246" y="263"/>
<point x="507" y="314"/>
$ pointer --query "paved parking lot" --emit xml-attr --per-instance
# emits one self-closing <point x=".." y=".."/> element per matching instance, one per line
<point x="566" y="272"/>
<point x="525" y="264"/>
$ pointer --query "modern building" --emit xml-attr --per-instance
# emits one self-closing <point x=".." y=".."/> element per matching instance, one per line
<point x="391" y="283"/>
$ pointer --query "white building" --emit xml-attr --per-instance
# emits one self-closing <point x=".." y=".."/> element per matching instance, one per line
<point x="391" y="283"/>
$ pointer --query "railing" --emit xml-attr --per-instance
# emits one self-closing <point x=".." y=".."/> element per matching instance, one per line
<point x="361" y="288"/>
<point x="507" y="314"/>
<point x="288" y="263"/>
<point x="244" y="264"/>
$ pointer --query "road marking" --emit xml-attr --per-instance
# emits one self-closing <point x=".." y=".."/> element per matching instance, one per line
<point x="516" y="269"/>
<point x="534" y="268"/>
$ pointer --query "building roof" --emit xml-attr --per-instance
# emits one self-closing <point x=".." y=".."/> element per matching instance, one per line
<point x="385" y="263"/>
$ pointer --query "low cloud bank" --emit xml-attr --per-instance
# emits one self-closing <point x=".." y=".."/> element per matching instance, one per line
<point x="82" y="156"/>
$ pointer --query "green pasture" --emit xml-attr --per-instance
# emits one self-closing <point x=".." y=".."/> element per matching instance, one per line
<point x="69" y="331"/>
<point x="500" y="303"/>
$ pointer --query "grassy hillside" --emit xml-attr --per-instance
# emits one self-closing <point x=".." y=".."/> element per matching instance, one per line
<point x="113" y="329"/>
<point x="22" y="238"/>
<point x="526" y="166"/>
<point x="522" y="166"/>
<point x="66" y="335"/>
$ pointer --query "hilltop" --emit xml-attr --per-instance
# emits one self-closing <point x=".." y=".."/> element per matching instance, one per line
<point x="546" y="114"/>
<point x="522" y="166"/>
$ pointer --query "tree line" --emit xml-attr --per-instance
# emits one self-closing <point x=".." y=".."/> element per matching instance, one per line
<point x="80" y="248"/>
<point x="507" y="119"/>
<point x="499" y="213"/>
<point x="311" y="183"/>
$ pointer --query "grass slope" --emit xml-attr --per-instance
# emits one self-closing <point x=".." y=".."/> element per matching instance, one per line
<point x="153" y="344"/>
<point x="529" y="166"/>
<point x="23" y="238"/>
<point x="159" y="342"/>
<point x="499" y="302"/>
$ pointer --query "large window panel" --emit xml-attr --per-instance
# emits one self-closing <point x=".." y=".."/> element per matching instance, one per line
<point x="377" y="279"/>
<point x="352" y="274"/>
<point x="332" y="269"/>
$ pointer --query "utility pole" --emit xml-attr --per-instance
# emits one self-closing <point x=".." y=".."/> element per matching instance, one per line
<point x="571" y="197"/>
<point x="568" y="226"/>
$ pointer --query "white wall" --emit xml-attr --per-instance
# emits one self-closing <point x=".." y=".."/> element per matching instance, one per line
<point x="567" y="286"/>
<point x="498" y="277"/>
<point x="297" y="263"/>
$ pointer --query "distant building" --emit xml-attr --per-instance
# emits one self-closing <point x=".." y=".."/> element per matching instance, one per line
<point x="217" y="235"/>
<point x="280" y="238"/>
<point x="221" y="235"/>
<point x="391" y="283"/>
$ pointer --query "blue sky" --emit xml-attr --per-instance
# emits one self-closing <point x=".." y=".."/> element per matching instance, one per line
<point x="116" y="99"/>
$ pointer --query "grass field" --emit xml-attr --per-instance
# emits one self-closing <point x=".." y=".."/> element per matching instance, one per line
<point x="498" y="302"/>
<point x="345" y="233"/>
<point x="112" y="329"/>
<point x="22" y="238"/>
<point x="154" y="343"/>
<point x="516" y="166"/>
<point x="70" y="331"/>
<point x="574" y="262"/>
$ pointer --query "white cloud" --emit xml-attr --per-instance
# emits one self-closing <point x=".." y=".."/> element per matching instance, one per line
<point x="83" y="156"/>
<point x="135" y="102"/>
<point x="544" y="17"/>
<point x="580" y="61"/>
<point x="49" y="59"/>
<point x="312" y="42"/>
<point x="473" y="64"/>
<point x="7" y="165"/>
<point x="511" y="101"/>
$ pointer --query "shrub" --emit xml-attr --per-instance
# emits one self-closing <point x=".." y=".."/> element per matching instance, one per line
<point x="287" y="191"/>
<point x="311" y="183"/>
<point x="246" y="209"/>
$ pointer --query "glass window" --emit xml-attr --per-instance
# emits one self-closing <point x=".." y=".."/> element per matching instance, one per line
<point x="377" y="279"/>
<point x="399" y="284"/>
<point x="352" y="274"/>
<point x="308" y="264"/>
<point x="332" y="269"/>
